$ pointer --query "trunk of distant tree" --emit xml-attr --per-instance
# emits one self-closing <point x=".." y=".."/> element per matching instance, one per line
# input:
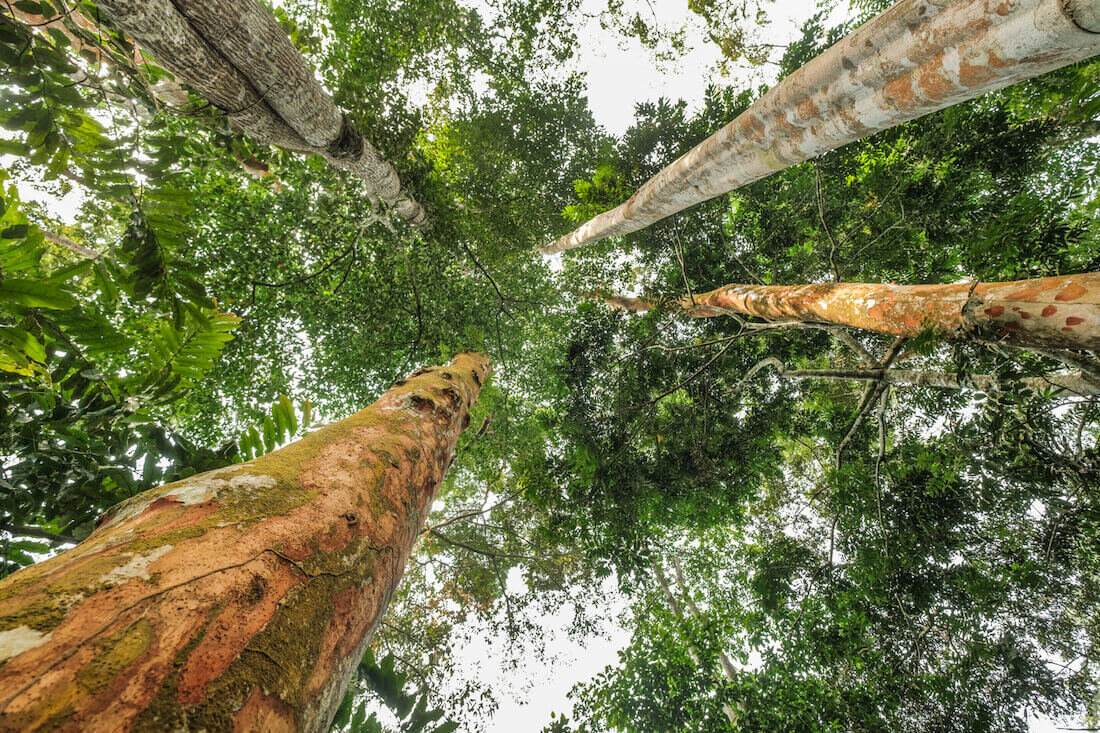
<point x="913" y="59"/>
<point x="678" y="612"/>
<point x="1046" y="313"/>
<point x="1059" y="385"/>
<point x="237" y="56"/>
<point x="74" y="247"/>
<point x="238" y="599"/>
<point x="727" y="665"/>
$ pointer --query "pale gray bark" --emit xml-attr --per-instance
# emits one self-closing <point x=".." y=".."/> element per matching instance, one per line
<point x="1063" y="385"/>
<point x="678" y="611"/>
<point x="911" y="60"/>
<point x="70" y="245"/>
<point x="727" y="665"/>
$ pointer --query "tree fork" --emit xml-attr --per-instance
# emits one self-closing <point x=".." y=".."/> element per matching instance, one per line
<point x="241" y="598"/>
<point x="915" y="58"/>
<point x="1061" y="312"/>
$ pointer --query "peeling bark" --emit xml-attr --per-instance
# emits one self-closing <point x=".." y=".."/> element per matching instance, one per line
<point x="237" y="599"/>
<point x="913" y="59"/>
<point x="1061" y="312"/>
<point x="236" y="56"/>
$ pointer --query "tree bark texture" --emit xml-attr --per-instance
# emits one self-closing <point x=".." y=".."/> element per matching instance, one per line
<point x="913" y="59"/>
<point x="1061" y="312"/>
<point x="238" y="599"/>
<point x="236" y="55"/>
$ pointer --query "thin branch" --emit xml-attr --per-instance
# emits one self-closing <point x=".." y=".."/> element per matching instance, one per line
<point x="692" y="378"/>
<point x="19" y="529"/>
<point x="70" y="245"/>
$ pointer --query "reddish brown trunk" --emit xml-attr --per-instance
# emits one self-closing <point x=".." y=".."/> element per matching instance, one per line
<point x="1050" y="312"/>
<point x="238" y="599"/>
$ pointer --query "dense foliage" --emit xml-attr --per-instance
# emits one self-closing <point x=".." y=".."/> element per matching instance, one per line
<point x="846" y="556"/>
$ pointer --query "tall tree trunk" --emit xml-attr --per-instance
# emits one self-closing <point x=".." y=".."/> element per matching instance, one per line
<point x="236" y="56"/>
<point x="678" y="612"/>
<point x="913" y="59"/>
<point x="1059" y="385"/>
<point x="727" y="666"/>
<point x="1060" y="312"/>
<point x="238" y="599"/>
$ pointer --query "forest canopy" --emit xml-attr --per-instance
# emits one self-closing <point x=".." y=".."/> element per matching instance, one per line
<point x="786" y="518"/>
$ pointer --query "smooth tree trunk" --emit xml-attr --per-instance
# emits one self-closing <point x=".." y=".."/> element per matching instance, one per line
<point x="1061" y="312"/>
<point x="913" y="59"/>
<point x="235" y="55"/>
<point x="727" y="666"/>
<point x="678" y="612"/>
<point x="238" y="599"/>
<point x="1056" y="385"/>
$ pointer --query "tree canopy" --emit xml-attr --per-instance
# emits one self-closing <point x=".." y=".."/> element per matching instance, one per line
<point x="839" y="553"/>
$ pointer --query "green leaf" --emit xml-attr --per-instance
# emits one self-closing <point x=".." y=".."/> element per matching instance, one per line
<point x="35" y="294"/>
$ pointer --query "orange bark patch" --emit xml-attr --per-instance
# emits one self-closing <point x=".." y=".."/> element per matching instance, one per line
<point x="934" y="84"/>
<point x="1073" y="292"/>
<point x="1049" y="311"/>
<point x="1025" y="294"/>
<point x="971" y="75"/>
<point x="995" y="312"/>
<point x="256" y="598"/>
<point x="900" y="91"/>
<point x="264" y="712"/>
<point x="1074" y="321"/>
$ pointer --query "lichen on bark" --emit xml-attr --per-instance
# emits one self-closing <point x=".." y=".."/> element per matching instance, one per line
<point x="240" y="597"/>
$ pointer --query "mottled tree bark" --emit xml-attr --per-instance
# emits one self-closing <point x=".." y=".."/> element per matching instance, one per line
<point x="75" y="248"/>
<point x="1060" y="312"/>
<point x="238" y="599"/>
<point x="915" y="58"/>
<point x="235" y="55"/>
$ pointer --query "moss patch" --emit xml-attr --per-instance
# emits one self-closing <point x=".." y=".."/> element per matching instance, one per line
<point x="118" y="652"/>
<point x="42" y="615"/>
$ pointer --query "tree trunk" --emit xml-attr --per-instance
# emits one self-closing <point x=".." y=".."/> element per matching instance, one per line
<point x="1060" y="312"/>
<point x="236" y="56"/>
<point x="678" y="612"/>
<point x="724" y="660"/>
<point x="911" y="60"/>
<point x="238" y="599"/>
<point x="1060" y="385"/>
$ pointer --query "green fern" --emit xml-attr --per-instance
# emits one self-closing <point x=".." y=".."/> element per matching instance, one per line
<point x="180" y="358"/>
<point x="275" y="429"/>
